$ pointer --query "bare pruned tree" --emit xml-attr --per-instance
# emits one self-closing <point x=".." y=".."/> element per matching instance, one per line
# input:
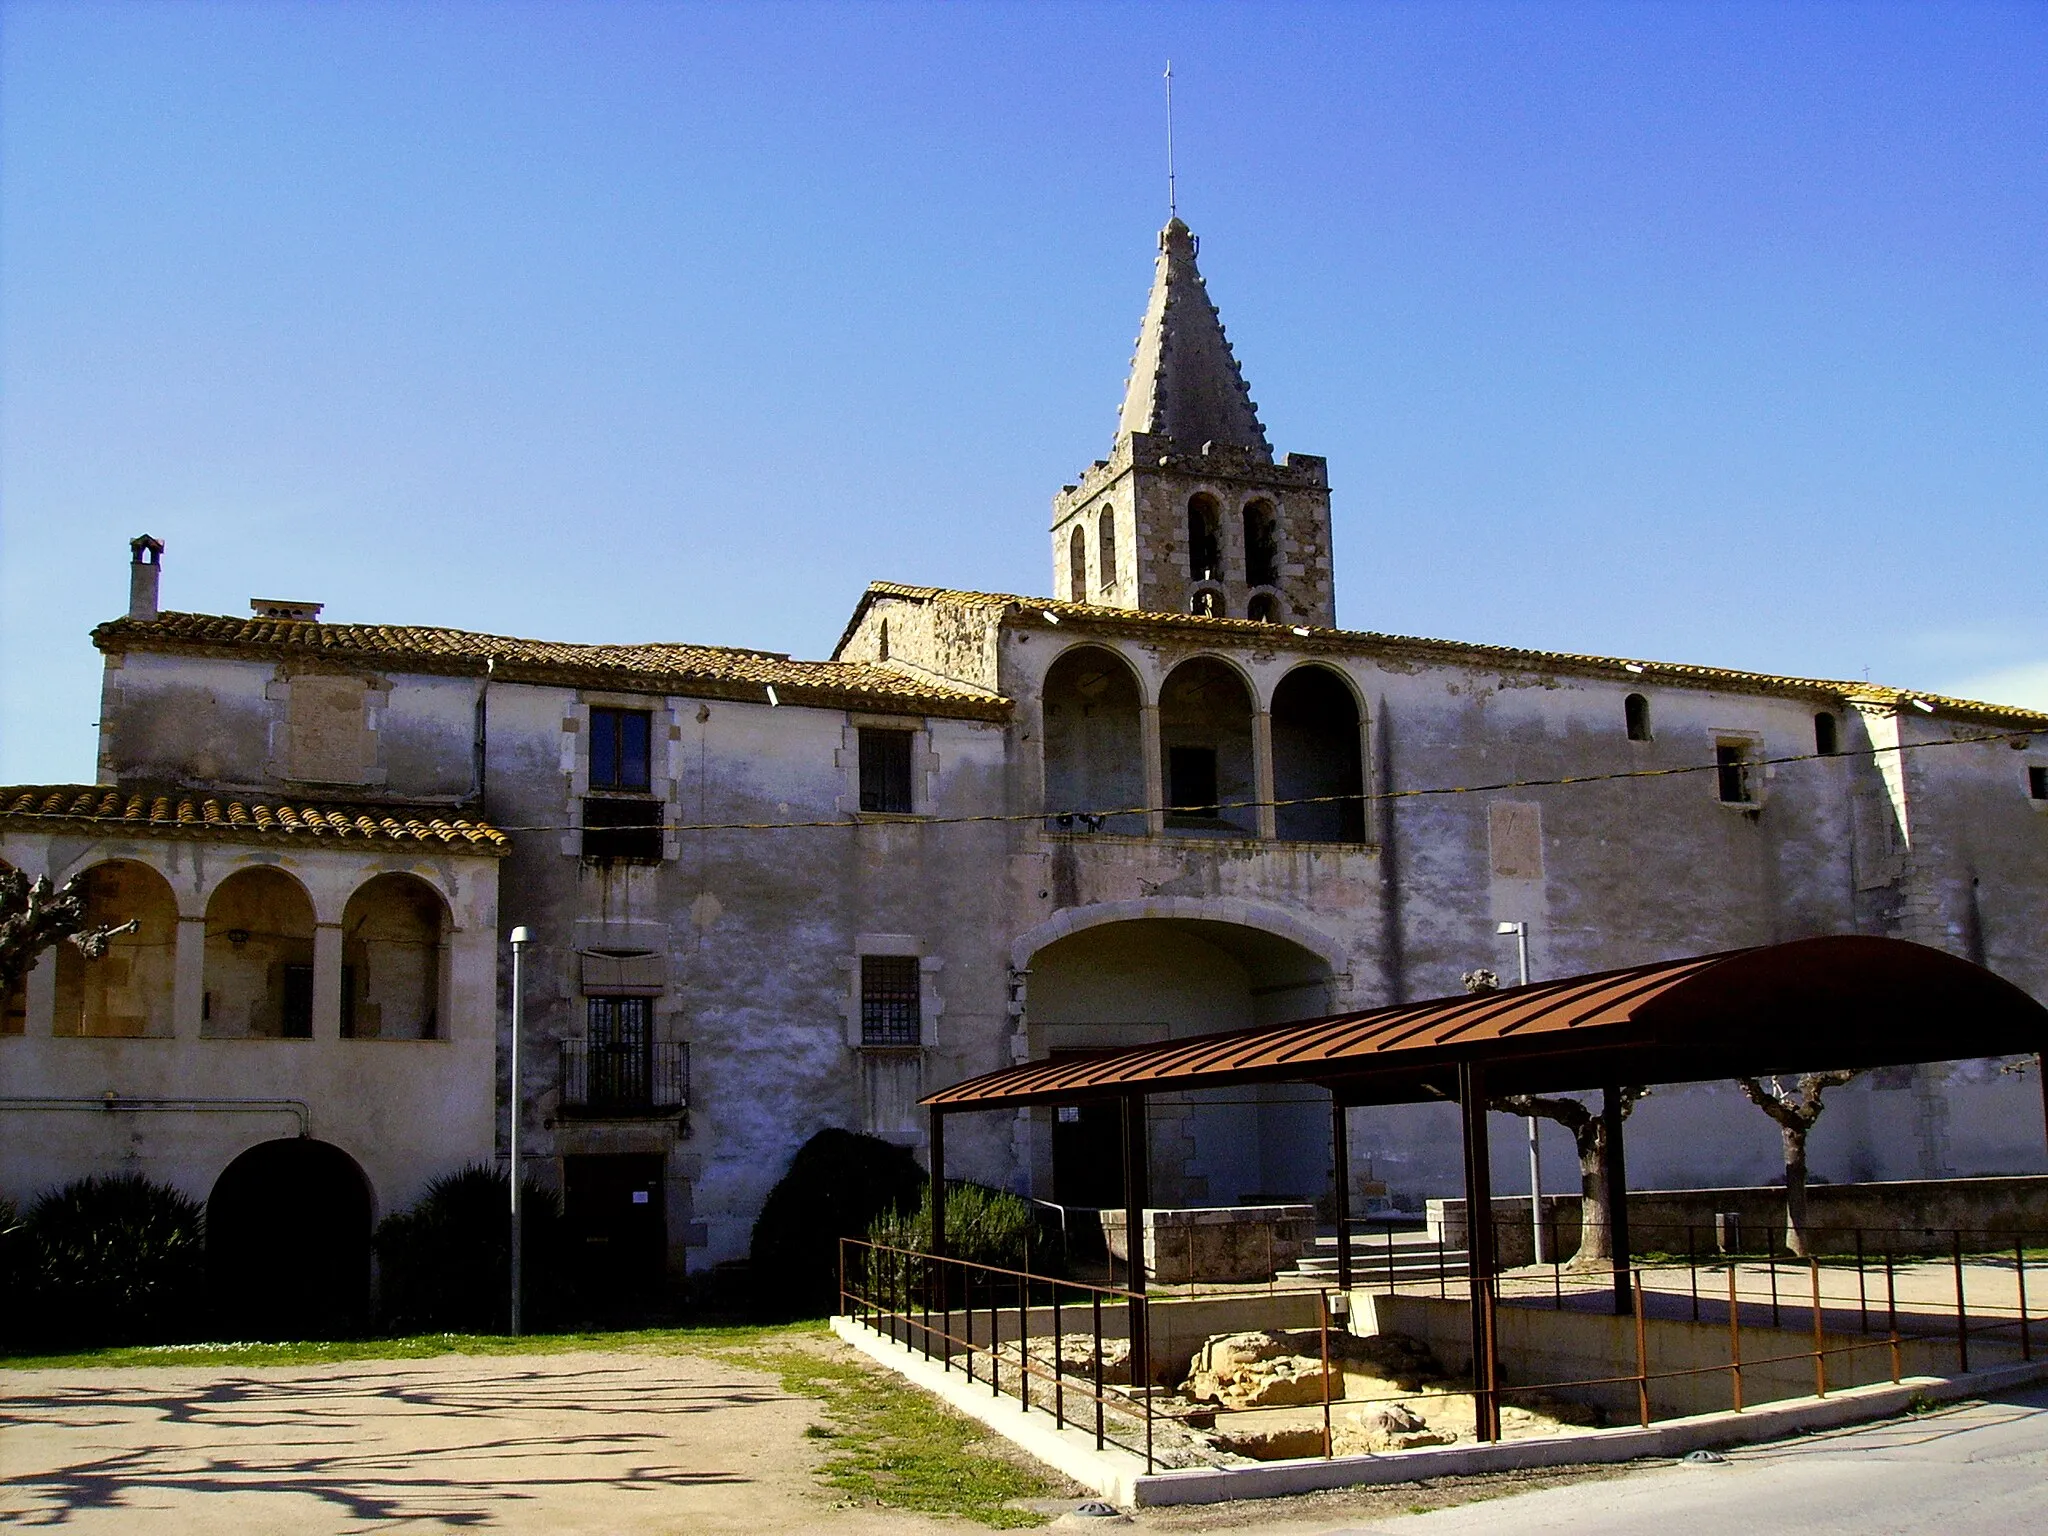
<point x="1589" y="1135"/>
<point x="1795" y="1109"/>
<point x="34" y="916"/>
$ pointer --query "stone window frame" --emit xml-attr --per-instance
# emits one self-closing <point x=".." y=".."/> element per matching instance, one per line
<point x="2035" y="765"/>
<point x="1752" y="741"/>
<point x="924" y="766"/>
<point x="664" y="760"/>
<point x="930" y="1003"/>
<point x="277" y="763"/>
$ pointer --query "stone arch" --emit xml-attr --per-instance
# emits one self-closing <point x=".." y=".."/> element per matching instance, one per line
<point x="1093" y="742"/>
<point x="1275" y="920"/>
<point x="14" y="996"/>
<point x="1077" y="566"/>
<point x="1164" y="971"/>
<point x="288" y="1241"/>
<point x="259" y="956"/>
<point x="394" y="935"/>
<point x="1106" y="558"/>
<point x="1263" y="608"/>
<point x="1318" y="752"/>
<point x="130" y="989"/>
<point x="1206" y="732"/>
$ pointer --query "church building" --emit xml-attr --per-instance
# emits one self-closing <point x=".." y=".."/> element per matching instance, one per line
<point x="769" y="895"/>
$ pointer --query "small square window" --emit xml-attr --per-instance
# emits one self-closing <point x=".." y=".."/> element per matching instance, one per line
<point x="889" y="1000"/>
<point x="2037" y="781"/>
<point x="1735" y="773"/>
<point x="885" y="771"/>
<point x="618" y="749"/>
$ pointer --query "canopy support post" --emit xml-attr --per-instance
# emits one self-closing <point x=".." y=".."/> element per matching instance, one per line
<point x="1135" y="1194"/>
<point x="1479" y="1247"/>
<point x="1340" y="1151"/>
<point x="1617" y="1197"/>
<point x="938" y="1162"/>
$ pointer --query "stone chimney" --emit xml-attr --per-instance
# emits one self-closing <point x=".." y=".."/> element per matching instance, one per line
<point x="145" y="567"/>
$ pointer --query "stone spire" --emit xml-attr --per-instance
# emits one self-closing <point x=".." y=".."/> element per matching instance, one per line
<point x="1185" y="384"/>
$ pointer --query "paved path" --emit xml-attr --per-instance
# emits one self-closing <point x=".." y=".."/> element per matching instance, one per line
<point x="1974" y="1467"/>
<point x="565" y="1444"/>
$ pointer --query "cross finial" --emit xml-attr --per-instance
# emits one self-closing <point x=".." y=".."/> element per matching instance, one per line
<point x="1172" y="206"/>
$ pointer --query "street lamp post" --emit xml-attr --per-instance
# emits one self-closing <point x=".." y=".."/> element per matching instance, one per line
<point x="520" y="939"/>
<point x="1521" y="933"/>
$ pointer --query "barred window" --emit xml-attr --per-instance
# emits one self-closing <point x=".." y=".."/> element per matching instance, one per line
<point x="885" y="770"/>
<point x="1735" y="773"/>
<point x="889" y="1000"/>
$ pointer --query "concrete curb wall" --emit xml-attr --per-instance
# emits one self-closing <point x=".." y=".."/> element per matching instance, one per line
<point x="1121" y="1477"/>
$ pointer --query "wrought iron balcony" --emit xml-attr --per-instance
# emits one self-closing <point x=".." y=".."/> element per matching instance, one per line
<point x="625" y="1079"/>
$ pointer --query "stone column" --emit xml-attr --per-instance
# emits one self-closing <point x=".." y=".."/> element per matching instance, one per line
<point x="188" y="985"/>
<point x="41" y="990"/>
<point x="327" y="981"/>
<point x="1155" y="769"/>
<point x="1262" y="772"/>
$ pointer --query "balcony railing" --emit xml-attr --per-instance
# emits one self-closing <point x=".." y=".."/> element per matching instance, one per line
<point x="628" y="1080"/>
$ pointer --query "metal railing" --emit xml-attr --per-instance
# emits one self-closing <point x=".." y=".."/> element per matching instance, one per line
<point x="957" y="1312"/>
<point x="648" y="1079"/>
<point x="1886" y="1294"/>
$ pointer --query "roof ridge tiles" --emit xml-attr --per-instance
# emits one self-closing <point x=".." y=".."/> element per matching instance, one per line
<point x="198" y="813"/>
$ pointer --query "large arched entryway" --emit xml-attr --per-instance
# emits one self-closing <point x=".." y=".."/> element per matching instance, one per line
<point x="288" y="1242"/>
<point x="1134" y="982"/>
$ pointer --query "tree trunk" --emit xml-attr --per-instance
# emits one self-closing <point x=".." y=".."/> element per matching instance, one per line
<point x="1795" y="1189"/>
<point x="1596" y="1237"/>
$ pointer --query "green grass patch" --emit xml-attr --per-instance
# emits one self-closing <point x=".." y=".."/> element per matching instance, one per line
<point x="895" y="1447"/>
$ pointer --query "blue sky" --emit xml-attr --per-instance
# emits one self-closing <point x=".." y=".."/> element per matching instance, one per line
<point x="1710" y="333"/>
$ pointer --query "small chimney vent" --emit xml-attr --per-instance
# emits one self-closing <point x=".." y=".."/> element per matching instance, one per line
<point x="145" y="568"/>
<point x="284" y="608"/>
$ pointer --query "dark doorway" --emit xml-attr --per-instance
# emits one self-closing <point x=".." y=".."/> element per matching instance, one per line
<point x="288" y="1242"/>
<point x="618" y="1233"/>
<point x="1088" y="1154"/>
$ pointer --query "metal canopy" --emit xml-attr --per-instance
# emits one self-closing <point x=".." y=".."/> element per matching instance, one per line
<point x="1808" y="1005"/>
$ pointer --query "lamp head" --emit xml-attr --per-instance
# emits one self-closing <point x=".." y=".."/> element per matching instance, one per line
<point x="521" y="936"/>
<point x="1508" y="928"/>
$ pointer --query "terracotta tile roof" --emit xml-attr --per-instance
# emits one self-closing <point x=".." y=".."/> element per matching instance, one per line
<point x="102" y="809"/>
<point x="698" y="671"/>
<point x="1196" y="631"/>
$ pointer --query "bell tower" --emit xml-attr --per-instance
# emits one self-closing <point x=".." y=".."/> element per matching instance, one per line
<point x="1189" y="513"/>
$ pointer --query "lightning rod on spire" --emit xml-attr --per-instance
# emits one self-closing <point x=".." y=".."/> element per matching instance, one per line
<point x="1172" y="205"/>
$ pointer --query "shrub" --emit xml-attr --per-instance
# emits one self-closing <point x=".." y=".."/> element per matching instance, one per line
<point x="445" y="1266"/>
<point x="109" y="1260"/>
<point x="837" y="1184"/>
<point x="983" y="1225"/>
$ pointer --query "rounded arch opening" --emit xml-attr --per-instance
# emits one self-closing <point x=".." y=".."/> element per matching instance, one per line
<point x="1318" y="758"/>
<point x="1261" y="544"/>
<point x="1205" y="538"/>
<point x="129" y="990"/>
<point x="1106" y="537"/>
<point x="1263" y="608"/>
<point x="393" y="948"/>
<point x="14" y="993"/>
<point x="1077" y="566"/>
<point x="1093" y="743"/>
<point x="1141" y="980"/>
<point x="288" y="1242"/>
<point x="259" y="957"/>
<point x="1635" y="717"/>
<point x="1205" y="747"/>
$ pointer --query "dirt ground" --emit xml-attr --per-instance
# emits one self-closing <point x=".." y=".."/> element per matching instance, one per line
<point x="617" y="1444"/>
<point x="598" y="1443"/>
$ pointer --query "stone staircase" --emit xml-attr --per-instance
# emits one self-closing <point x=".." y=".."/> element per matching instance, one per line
<point x="1411" y="1258"/>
